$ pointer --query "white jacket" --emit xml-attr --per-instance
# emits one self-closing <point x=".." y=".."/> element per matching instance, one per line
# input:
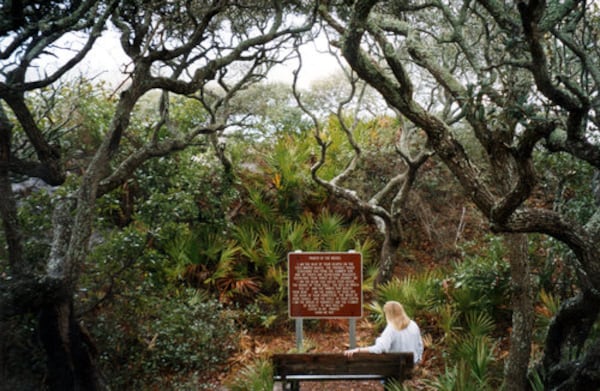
<point x="396" y="341"/>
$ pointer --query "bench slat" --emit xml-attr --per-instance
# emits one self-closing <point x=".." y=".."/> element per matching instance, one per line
<point x="386" y="365"/>
<point x="329" y="377"/>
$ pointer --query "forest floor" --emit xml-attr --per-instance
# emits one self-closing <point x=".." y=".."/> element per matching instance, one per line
<point x="330" y="338"/>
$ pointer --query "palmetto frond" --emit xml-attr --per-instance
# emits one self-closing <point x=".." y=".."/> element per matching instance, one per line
<point x="479" y="324"/>
<point x="225" y="265"/>
<point x="328" y="226"/>
<point x="293" y="234"/>
<point x="270" y="249"/>
<point x="247" y="239"/>
<point x="262" y="207"/>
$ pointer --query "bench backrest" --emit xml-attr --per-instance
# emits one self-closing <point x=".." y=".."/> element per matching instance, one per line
<point x="391" y="365"/>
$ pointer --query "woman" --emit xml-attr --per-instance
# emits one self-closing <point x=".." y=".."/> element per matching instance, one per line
<point x="400" y="335"/>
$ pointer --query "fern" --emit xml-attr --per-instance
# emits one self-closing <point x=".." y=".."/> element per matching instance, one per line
<point x="479" y="324"/>
<point x="257" y="376"/>
<point x="416" y="293"/>
<point x="247" y="239"/>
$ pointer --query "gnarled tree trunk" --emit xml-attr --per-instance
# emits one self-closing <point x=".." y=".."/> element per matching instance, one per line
<point x="388" y="257"/>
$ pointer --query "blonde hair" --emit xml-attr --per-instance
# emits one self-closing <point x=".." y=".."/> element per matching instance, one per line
<point x="395" y="315"/>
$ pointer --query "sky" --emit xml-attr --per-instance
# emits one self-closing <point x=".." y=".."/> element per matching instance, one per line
<point x="107" y="60"/>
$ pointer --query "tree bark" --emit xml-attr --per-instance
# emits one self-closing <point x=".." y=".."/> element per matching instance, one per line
<point x="567" y="336"/>
<point x="388" y="258"/>
<point x="515" y="376"/>
<point x="8" y="206"/>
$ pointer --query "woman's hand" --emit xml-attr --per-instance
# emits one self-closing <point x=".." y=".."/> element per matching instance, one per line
<point x="350" y="353"/>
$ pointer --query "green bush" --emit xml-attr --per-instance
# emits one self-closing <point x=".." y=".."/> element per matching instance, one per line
<point x="34" y="214"/>
<point x="149" y="341"/>
<point x="418" y="294"/>
<point x="22" y="357"/>
<point x="482" y="283"/>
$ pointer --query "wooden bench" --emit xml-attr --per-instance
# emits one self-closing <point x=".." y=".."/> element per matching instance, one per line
<point x="290" y="369"/>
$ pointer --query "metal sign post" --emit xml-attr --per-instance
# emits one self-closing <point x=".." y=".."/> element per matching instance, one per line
<point x="299" y="335"/>
<point x="352" y="333"/>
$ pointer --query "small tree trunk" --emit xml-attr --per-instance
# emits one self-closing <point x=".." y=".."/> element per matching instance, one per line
<point x="515" y="377"/>
<point x="69" y="351"/>
<point x="8" y="205"/>
<point x="388" y="259"/>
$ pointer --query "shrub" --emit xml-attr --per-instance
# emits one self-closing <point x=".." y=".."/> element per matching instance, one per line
<point x="151" y="340"/>
<point x="22" y="358"/>
<point x="482" y="283"/>
<point x="416" y="293"/>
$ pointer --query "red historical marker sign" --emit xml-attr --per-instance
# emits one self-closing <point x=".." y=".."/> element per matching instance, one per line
<point x="325" y="285"/>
